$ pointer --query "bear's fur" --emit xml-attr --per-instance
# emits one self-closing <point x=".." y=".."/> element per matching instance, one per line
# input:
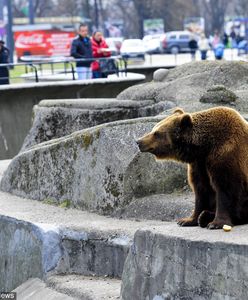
<point x="214" y="143"/>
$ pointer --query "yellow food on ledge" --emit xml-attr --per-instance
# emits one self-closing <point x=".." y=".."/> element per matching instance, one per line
<point x="227" y="228"/>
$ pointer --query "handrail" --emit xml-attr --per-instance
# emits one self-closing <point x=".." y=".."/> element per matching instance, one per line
<point x="36" y="65"/>
<point x="35" y="71"/>
<point x="62" y="60"/>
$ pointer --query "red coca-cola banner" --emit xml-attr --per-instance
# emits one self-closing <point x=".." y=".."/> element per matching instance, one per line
<point x="43" y="42"/>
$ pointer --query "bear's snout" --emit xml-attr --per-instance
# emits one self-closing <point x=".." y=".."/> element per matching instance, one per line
<point x="144" y="145"/>
<point x="139" y="143"/>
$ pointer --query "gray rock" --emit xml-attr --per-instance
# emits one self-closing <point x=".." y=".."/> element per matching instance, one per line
<point x="160" y="75"/>
<point x="218" y="94"/>
<point x="185" y="85"/>
<point x="57" y="118"/>
<point x="99" y="169"/>
<point x="171" y="262"/>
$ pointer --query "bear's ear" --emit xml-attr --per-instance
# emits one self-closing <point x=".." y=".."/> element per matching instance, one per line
<point x="186" y="121"/>
<point x="178" y="110"/>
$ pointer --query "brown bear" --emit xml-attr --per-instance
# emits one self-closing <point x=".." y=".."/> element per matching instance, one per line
<point x="214" y="143"/>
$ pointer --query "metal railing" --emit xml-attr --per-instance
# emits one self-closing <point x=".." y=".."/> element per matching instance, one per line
<point x="38" y="68"/>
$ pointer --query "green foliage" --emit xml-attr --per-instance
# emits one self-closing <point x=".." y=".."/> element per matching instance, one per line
<point x="65" y="204"/>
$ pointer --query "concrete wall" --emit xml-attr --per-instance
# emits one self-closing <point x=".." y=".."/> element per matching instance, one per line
<point x="17" y="101"/>
<point x="179" y="263"/>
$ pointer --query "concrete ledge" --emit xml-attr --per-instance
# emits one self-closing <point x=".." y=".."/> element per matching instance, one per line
<point x="171" y="262"/>
<point x="30" y="249"/>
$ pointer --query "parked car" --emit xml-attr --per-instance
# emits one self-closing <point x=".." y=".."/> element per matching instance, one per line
<point x="133" y="48"/>
<point x="176" y="42"/>
<point x="152" y="43"/>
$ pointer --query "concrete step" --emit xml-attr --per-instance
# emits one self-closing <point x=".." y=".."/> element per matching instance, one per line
<point x="69" y="287"/>
<point x="36" y="289"/>
<point x="88" y="288"/>
<point x="38" y="239"/>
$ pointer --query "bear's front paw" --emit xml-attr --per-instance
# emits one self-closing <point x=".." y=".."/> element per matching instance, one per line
<point x="187" y="222"/>
<point x="205" y="218"/>
<point x="218" y="224"/>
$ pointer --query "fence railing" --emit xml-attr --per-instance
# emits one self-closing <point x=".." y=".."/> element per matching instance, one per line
<point x="47" y="69"/>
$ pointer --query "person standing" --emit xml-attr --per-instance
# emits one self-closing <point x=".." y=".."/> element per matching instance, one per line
<point x="4" y="59"/>
<point x="81" y="48"/>
<point x="193" y="47"/>
<point x="219" y="51"/>
<point x="216" y="39"/>
<point x="203" y="46"/>
<point x="100" y="49"/>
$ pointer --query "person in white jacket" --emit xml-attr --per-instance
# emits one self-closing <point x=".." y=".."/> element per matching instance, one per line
<point x="203" y="45"/>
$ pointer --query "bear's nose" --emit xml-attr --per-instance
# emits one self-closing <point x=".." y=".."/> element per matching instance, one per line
<point x="138" y="142"/>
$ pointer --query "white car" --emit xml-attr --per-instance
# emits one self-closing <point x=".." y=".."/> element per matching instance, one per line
<point x="153" y="43"/>
<point x="133" y="48"/>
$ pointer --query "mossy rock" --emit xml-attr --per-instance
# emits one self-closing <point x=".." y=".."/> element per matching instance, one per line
<point x="218" y="94"/>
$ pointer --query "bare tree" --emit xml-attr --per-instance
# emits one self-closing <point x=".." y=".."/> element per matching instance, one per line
<point x="42" y="8"/>
<point x="241" y="7"/>
<point x="166" y="10"/>
<point x="214" y="14"/>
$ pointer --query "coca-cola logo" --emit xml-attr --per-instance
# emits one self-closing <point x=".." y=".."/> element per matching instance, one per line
<point x="35" y="38"/>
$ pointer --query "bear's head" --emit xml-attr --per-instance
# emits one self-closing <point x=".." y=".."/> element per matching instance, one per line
<point x="171" y="138"/>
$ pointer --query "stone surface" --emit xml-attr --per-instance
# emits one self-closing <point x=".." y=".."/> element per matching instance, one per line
<point x="160" y="75"/>
<point x="36" y="289"/>
<point x="57" y="118"/>
<point x="98" y="169"/>
<point x="171" y="262"/>
<point x="185" y="85"/>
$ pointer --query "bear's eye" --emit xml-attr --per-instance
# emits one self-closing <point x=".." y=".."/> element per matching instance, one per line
<point x="157" y="134"/>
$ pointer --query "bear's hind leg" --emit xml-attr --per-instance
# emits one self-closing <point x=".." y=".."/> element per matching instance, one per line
<point x="227" y="185"/>
<point x="222" y="216"/>
<point x="204" y="193"/>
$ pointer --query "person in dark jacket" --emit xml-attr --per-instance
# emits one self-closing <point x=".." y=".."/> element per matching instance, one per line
<point x="81" y="48"/>
<point x="193" y="46"/>
<point x="4" y="59"/>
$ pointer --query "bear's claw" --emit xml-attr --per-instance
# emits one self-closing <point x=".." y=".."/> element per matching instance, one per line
<point x="187" y="222"/>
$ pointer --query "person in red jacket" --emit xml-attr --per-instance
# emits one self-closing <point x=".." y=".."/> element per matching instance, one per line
<point x="99" y="49"/>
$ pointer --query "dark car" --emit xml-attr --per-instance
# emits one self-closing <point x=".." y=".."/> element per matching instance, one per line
<point x="176" y="42"/>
